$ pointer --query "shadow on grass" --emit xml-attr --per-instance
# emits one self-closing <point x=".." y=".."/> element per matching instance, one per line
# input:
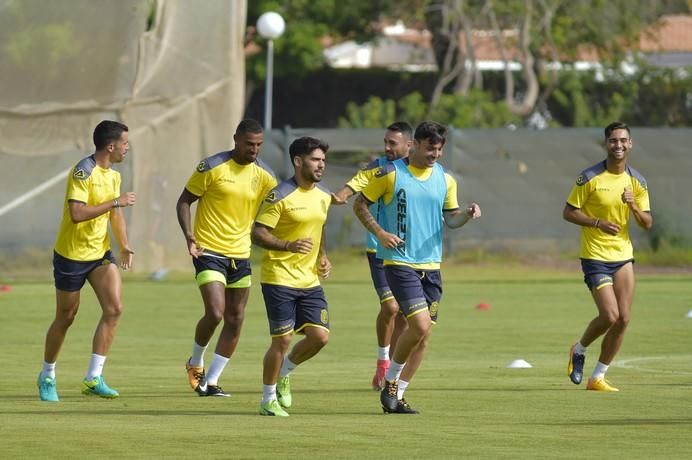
<point x="221" y="412"/>
<point x="624" y="422"/>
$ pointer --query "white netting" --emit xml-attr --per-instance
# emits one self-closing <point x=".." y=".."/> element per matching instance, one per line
<point x="172" y="70"/>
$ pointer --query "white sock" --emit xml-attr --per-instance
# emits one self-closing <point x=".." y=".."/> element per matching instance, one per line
<point x="579" y="348"/>
<point x="95" y="366"/>
<point x="287" y="367"/>
<point x="403" y="384"/>
<point x="48" y="370"/>
<point x="218" y="363"/>
<point x="394" y="371"/>
<point x="600" y="370"/>
<point x="197" y="359"/>
<point x="268" y="393"/>
<point x="383" y="353"/>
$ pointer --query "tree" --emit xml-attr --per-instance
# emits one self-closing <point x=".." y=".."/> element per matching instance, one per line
<point x="544" y="36"/>
<point x="310" y="26"/>
<point x="475" y="109"/>
<point x="534" y="33"/>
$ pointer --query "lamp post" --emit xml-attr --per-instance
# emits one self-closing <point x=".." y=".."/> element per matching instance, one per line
<point x="270" y="26"/>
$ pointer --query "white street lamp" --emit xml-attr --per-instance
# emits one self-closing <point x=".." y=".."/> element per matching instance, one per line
<point x="270" y="26"/>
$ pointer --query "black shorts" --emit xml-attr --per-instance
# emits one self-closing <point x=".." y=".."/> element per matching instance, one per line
<point x="415" y="290"/>
<point x="70" y="275"/>
<point x="379" y="280"/>
<point x="292" y="309"/>
<point x="598" y="274"/>
<point x="233" y="273"/>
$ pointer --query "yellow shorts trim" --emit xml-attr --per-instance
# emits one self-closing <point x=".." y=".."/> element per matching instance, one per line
<point x="244" y="282"/>
<point x="282" y="334"/>
<point x="389" y="297"/>
<point x="418" y="311"/>
<point x="603" y="285"/>
<point x="300" y="331"/>
<point x="425" y="266"/>
<point x="212" y="276"/>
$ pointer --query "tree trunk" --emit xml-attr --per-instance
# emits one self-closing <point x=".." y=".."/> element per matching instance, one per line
<point x="445" y="18"/>
<point x="526" y="105"/>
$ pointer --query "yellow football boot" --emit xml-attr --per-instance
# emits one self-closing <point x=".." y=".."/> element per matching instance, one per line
<point x="600" y="384"/>
<point x="195" y="375"/>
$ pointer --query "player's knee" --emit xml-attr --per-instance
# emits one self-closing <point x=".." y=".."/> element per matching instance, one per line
<point x="214" y="315"/>
<point x="113" y="312"/>
<point x="419" y="332"/>
<point x="67" y="316"/>
<point x="623" y="321"/>
<point x="66" y="319"/>
<point x="388" y="309"/>
<point x="234" y="318"/>
<point x="319" y="339"/>
<point x="610" y="317"/>
<point x="423" y="342"/>
<point x="281" y="344"/>
<point x="322" y="340"/>
<point x="66" y="311"/>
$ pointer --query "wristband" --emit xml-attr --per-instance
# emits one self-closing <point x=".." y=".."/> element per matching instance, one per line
<point x="116" y="204"/>
<point x="286" y="245"/>
<point x="596" y="222"/>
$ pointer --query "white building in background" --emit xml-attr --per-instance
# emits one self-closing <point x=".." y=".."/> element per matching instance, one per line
<point x="668" y="44"/>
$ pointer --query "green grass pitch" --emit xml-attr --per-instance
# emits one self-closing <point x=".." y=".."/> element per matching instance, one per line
<point x="471" y="405"/>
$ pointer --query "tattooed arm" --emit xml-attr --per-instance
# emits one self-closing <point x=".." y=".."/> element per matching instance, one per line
<point x="386" y="239"/>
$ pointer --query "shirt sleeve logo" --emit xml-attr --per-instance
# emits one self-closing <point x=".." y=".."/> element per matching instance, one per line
<point x="78" y="173"/>
<point x="201" y="166"/>
<point x="270" y="197"/>
<point x="581" y="179"/>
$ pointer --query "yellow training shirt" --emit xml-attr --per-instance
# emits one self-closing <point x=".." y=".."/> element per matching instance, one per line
<point x="383" y="185"/>
<point x="358" y="183"/>
<point x="294" y="213"/>
<point x="229" y="196"/>
<point x="598" y="193"/>
<point x="365" y="174"/>
<point x="90" y="184"/>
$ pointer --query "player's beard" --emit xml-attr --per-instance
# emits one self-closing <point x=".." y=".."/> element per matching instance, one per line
<point x="316" y="176"/>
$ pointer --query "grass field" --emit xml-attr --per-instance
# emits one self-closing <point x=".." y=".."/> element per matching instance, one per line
<point x="471" y="405"/>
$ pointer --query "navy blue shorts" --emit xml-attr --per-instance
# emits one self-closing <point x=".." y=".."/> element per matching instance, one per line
<point x="415" y="290"/>
<point x="211" y="266"/>
<point x="379" y="280"/>
<point x="70" y="275"/>
<point x="292" y="310"/>
<point x="598" y="274"/>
